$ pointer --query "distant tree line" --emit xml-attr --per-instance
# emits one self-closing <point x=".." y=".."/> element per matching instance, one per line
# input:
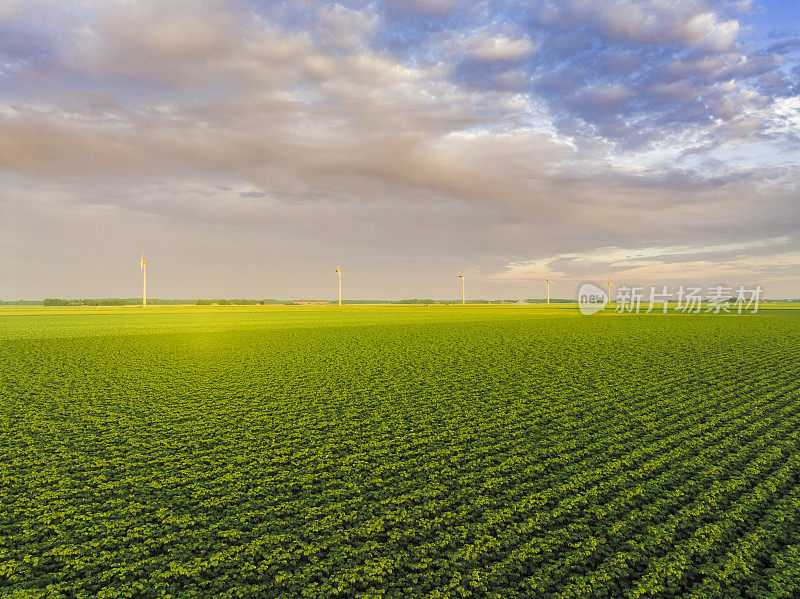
<point x="229" y="302"/>
<point x="113" y="301"/>
<point x="135" y="301"/>
<point x="432" y="301"/>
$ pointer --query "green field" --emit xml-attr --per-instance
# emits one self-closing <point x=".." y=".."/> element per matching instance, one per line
<point x="390" y="451"/>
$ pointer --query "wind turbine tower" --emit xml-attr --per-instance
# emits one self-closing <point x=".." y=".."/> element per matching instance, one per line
<point x="338" y="271"/>
<point x="143" y="268"/>
<point x="609" y="284"/>
<point x="548" y="281"/>
<point x="463" y="277"/>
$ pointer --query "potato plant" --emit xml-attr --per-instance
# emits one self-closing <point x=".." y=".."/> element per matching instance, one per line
<point x="500" y="452"/>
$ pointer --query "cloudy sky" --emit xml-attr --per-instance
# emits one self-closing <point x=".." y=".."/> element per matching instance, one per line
<point x="247" y="146"/>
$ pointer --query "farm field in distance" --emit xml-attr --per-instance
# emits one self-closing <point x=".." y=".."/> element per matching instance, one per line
<point x="399" y="451"/>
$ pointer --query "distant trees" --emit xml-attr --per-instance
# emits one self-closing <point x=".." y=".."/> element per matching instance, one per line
<point x="50" y="301"/>
<point x="229" y="302"/>
<point x="112" y="301"/>
<point x="136" y="301"/>
<point x="108" y="301"/>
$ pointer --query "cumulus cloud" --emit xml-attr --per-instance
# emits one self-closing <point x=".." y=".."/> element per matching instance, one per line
<point x="500" y="47"/>
<point x="346" y="27"/>
<point x="703" y="29"/>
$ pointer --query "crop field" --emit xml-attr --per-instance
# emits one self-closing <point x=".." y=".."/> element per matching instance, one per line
<point x="389" y="451"/>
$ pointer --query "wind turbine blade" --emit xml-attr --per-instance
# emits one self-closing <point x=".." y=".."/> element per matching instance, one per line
<point x="464" y="269"/>
<point x="340" y="264"/>
<point x="542" y="283"/>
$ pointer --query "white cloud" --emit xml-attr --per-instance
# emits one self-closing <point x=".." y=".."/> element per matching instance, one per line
<point x="635" y="260"/>
<point x="499" y="47"/>
<point x="703" y="29"/>
<point x="346" y="27"/>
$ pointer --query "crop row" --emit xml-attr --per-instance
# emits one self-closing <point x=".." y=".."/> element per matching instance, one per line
<point x="515" y="457"/>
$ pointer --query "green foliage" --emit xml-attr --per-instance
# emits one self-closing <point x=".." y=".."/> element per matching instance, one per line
<point x="49" y="301"/>
<point x="399" y="451"/>
<point x="227" y="302"/>
<point x="111" y="301"/>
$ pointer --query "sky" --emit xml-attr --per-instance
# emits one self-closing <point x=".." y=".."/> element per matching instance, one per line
<point x="248" y="146"/>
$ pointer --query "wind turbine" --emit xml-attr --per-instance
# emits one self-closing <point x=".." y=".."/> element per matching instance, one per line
<point x="143" y="268"/>
<point x="548" y="281"/>
<point x="463" y="278"/>
<point x="339" y="272"/>
<point x="609" y="284"/>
